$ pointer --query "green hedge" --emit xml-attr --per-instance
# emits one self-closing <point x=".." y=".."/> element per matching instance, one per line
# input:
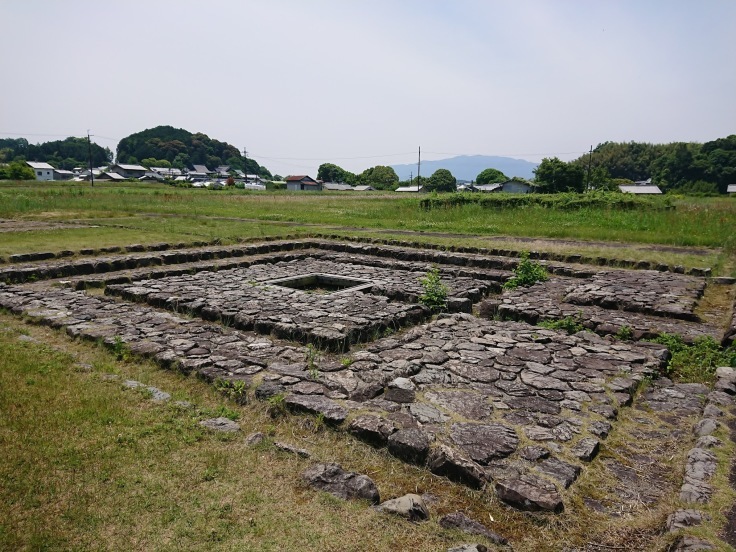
<point x="565" y="201"/>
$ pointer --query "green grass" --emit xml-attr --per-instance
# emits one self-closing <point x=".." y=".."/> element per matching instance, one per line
<point x="149" y="213"/>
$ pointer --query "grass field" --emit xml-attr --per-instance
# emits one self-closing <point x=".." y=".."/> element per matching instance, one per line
<point x="148" y="213"/>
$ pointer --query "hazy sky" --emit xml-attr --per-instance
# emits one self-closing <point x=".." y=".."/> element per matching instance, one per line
<point x="360" y="83"/>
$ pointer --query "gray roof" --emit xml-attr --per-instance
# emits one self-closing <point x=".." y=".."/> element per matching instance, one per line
<point x="334" y="186"/>
<point x="201" y="169"/>
<point x="364" y="188"/>
<point x="410" y="189"/>
<point x="641" y="190"/>
<point x="131" y="167"/>
<point x="731" y="189"/>
<point x="39" y="165"/>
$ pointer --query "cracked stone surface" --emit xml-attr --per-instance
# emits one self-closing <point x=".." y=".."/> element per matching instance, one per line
<point x="608" y="309"/>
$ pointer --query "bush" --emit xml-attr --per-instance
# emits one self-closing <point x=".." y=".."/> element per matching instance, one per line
<point x="435" y="292"/>
<point x="526" y="273"/>
<point x="696" y="362"/>
<point x="564" y="201"/>
<point x="570" y="324"/>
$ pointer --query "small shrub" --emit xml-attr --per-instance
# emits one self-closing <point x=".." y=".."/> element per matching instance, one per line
<point x="526" y="273"/>
<point x="435" y="292"/>
<point x="696" y="362"/>
<point x="234" y="390"/>
<point x="120" y="349"/>
<point x="625" y="333"/>
<point x="570" y="324"/>
<point x="346" y="362"/>
<point x="276" y="405"/>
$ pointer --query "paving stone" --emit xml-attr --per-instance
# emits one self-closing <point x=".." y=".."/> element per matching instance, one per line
<point x="332" y="479"/>
<point x="445" y="461"/>
<point x="586" y="449"/>
<point x="411" y="445"/>
<point x="458" y="520"/>
<point x="316" y="404"/>
<point x="681" y="519"/>
<point x="410" y="506"/>
<point x="291" y="449"/>
<point x="560" y="471"/>
<point x="220" y="424"/>
<point x="484" y="442"/>
<point x="528" y="492"/>
<point x="373" y="429"/>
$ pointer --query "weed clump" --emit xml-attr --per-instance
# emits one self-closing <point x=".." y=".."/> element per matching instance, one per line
<point x="435" y="292"/>
<point x="570" y="324"/>
<point x="526" y="273"/>
<point x="696" y="362"/>
<point x="234" y="390"/>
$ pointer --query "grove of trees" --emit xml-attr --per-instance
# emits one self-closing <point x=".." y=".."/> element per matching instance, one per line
<point x="380" y="177"/>
<point x="553" y="176"/>
<point x="441" y="180"/>
<point x="62" y="154"/>
<point x="490" y="176"/>
<point x="678" y="166"/>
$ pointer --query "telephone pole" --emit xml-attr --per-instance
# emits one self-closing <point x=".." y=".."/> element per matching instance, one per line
<point x="91" y="173"/>
<point x="419" y="166"/>
<point x="590" y="160"/>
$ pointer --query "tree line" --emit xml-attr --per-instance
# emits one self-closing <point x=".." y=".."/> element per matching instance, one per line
<point x="62" y="154"/>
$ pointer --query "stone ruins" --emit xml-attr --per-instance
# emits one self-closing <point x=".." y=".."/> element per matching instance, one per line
<point x="479" y="394"/>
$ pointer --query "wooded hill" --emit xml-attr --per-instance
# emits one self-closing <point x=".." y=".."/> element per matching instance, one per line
<point x="678" y="166"/>
<point x="182" y="149"/>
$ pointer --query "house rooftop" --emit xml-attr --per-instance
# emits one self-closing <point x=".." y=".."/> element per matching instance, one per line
<point x="640" y="189"/>
<point x="39" y="165"/>
<point x="131" y="167"/>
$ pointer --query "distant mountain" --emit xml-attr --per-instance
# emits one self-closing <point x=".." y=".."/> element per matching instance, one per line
<point x="467" y="167"/>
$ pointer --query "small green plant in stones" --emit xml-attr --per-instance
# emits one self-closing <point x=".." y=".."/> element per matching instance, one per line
<point x="435" y="292"/>
<point x="625" y="333"/>
<point x="346" y="362"/>
<point x="526" y="273"/>
<point x="120" y="349"/>
<point x="570" y="324"/>
<point x="696" y="362"/>
<point x="276" y="405"/>
<point x="312" y="357"/>
<point x="234" y="390"/>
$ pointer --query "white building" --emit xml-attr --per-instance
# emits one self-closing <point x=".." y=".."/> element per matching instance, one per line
<point x="43" y="171"/>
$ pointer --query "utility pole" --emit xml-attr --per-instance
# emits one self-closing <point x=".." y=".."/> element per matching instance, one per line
<point x="245" y="164"/>
<point x="91" y="173"/>
<point x="419" y="166"/>
<point x="411" y="178"/>
<point x="590" y="160"/>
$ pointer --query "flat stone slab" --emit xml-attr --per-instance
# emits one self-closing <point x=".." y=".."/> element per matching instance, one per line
<point x="332" y="479"/>
<point x="559" y="297"/>
<point x="225" y="425"/>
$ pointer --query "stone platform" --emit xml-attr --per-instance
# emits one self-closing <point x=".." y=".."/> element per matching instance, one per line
<point x="496" y="404"/>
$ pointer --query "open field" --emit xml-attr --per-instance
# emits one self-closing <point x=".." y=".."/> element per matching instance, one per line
<point x="88" y="464"/>
<point x="694" y="233"/>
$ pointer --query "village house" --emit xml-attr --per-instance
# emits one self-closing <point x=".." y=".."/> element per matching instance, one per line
<point x="128" y="171"/>
<point x="303" y="182"/>
<point x="410" y="189"/>
<point x="640" y="189"/>
<point x="43" y="171"/>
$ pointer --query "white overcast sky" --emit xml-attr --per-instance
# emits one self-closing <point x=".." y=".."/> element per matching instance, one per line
<point x="360" y="83"/>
